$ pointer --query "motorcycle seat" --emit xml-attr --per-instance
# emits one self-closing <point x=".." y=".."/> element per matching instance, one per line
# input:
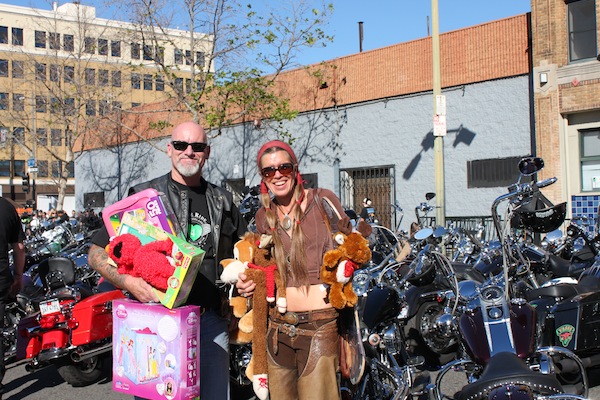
<point x="60" y="266"/>
<point x="507" y="368"/>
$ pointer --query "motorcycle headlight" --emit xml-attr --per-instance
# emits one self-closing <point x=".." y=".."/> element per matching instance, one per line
<point x="360" y="282"/>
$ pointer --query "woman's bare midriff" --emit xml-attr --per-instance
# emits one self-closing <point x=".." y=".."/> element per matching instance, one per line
<point x="298" y="299"/>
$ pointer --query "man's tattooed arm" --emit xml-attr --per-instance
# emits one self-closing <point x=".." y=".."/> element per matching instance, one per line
<point x="98" y="260"/>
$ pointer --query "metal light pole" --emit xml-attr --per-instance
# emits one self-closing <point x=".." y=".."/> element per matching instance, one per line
<point x="439" y="118"/>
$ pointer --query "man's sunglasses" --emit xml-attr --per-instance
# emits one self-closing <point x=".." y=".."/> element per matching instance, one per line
<point x="284" y="169"/>
<point x="197" y="147"/>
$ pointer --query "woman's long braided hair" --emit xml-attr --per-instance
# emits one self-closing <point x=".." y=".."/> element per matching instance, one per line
<point x="290" y="267"/>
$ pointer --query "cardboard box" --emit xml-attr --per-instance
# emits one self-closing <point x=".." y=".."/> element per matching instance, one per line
<point x="156" y="351"/>
<point x="188" y="259"/>
<point x="146" y="205"/>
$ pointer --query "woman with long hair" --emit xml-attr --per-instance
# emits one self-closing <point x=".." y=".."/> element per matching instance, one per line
<point x="303" y="343"/>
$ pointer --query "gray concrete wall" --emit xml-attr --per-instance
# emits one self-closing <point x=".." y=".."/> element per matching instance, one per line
<point x="484" y="120"/>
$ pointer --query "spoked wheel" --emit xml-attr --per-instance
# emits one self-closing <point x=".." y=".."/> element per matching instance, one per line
<point x="82" y="373"/>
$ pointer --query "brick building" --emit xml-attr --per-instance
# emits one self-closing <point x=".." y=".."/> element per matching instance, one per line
<point x="566" y="76"/>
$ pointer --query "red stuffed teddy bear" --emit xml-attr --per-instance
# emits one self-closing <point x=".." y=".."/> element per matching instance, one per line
<point x="153" y="262"/>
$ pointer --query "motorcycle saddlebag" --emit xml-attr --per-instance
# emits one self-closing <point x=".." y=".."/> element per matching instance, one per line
<point x="27" y="347"/>
<point x="94" y="318"/>
<point x="577" y="323"/>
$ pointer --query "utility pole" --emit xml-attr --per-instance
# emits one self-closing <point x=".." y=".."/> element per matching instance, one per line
<point x="439" y="118"/>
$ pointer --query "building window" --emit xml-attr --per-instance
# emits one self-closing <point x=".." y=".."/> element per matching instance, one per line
<point x="133" y="105"/>
<point x="159" y="54"/>
<point x="55" y="105"/>
<point x="188" y="85"/>
<point x="115" y="48"/>
<point x="116" y="78"/>
<point x="103" y="77"/>
<point x="68" y="43"/>
<point x="69" y="74"/>
<point x="178" y="84"/>
<point x="148" y="52"/>
<point x="200" y="58"/>
<point x="93" y="200"/>
<point x="19" y="134"/>
<point x="55" y="137"/>
<point x="4" y="34"/>
<point x="116" y="105"/>
<point x="19" y="167"/>
<point x="17" y="69"/>
<point x="5" y="168"/>
<point x="589" y="150"/>
<point x="18" y="102"/>
<point x="3" y="101"/>
<point x="582" y="30"/>
<point x="495" y="172"/>
<point x="178" y="56"/>
<point x="54" y="73"/>
<point x="188" y="57"/>
<point x="4" y="68"/>
<point x="17" y="37"/>
<point x="103" y="47"/>
<point x="40" y="71"/>
<point x="147" y="82"/>
<point x="135" y="51"/>
<point x="40" y="104"/>
<point x="90" y="76"/>
<point x="41" y="135"/>
<point x="89" y="44"/>
<point x="135" y="81"/>
<point x="55" y="169"/>
<point x="40" y="39"/>
<point x="90" y="108"/>
<point x="54" y="40"/>
<point x="103" y="107"/>
<point x="160" y="84"/>
<point x="69" y="106"/>
<point x="42" y="168"/>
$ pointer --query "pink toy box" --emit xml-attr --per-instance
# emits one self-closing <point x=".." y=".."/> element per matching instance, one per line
<point x="146" y="205"/>
<point x="156" y="351"/>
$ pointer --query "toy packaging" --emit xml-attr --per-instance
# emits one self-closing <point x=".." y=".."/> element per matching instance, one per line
<point x="146" y="205"/>
<point x="156" y="351"/>
<point x="187" y="259"/>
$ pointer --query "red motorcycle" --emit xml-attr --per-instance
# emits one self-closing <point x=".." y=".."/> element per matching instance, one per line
<point x="71" y="327"/>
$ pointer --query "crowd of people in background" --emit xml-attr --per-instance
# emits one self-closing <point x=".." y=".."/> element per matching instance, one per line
<point x="86" y="220"/>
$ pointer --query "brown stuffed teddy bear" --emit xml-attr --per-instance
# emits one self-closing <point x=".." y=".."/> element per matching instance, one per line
<point x="340" y="263"/>
<point x="263" y="271"/>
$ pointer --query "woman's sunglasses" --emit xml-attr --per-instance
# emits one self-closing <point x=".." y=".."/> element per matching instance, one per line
<point x="284" y="169"/>
<point x="197" y="147"/>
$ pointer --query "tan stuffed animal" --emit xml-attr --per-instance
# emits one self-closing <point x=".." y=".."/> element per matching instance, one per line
<point x="263" y="271"/>
<point x="340" y="263"/>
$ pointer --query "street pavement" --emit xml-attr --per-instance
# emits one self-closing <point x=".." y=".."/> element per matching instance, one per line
<point x="46" y="384"/>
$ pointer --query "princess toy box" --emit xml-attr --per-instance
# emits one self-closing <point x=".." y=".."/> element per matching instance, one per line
<point x="156" y="353"/>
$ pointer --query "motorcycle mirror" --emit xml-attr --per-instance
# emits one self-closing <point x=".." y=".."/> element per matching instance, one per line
<point x="530" y="165"/>
<point x="423" y="234"/>
<point x="439" y="232"/>
<point x="429" y="195"/>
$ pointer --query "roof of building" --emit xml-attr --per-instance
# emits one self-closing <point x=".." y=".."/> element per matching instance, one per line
<point x="493" y="50"/>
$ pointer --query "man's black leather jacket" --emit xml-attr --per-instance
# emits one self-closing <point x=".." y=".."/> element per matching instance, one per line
<point x="227" y="223"/>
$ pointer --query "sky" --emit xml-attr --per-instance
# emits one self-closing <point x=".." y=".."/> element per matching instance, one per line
<point x="385" y="22"/>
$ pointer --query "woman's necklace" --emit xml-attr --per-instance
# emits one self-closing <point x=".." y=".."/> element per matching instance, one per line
<point x="286" y="222"/>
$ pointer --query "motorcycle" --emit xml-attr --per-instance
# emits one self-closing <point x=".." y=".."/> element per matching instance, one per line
<point x="498" y="329"/>
<point x="71" y="326"/>
<point x="390" y="371"/>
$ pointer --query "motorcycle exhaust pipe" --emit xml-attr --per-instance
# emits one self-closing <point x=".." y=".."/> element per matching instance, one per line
<point x="78" y="356"/>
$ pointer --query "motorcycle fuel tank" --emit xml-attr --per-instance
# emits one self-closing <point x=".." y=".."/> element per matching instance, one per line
<point x="382" y="305"/>
<point x="488" y="331"/>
